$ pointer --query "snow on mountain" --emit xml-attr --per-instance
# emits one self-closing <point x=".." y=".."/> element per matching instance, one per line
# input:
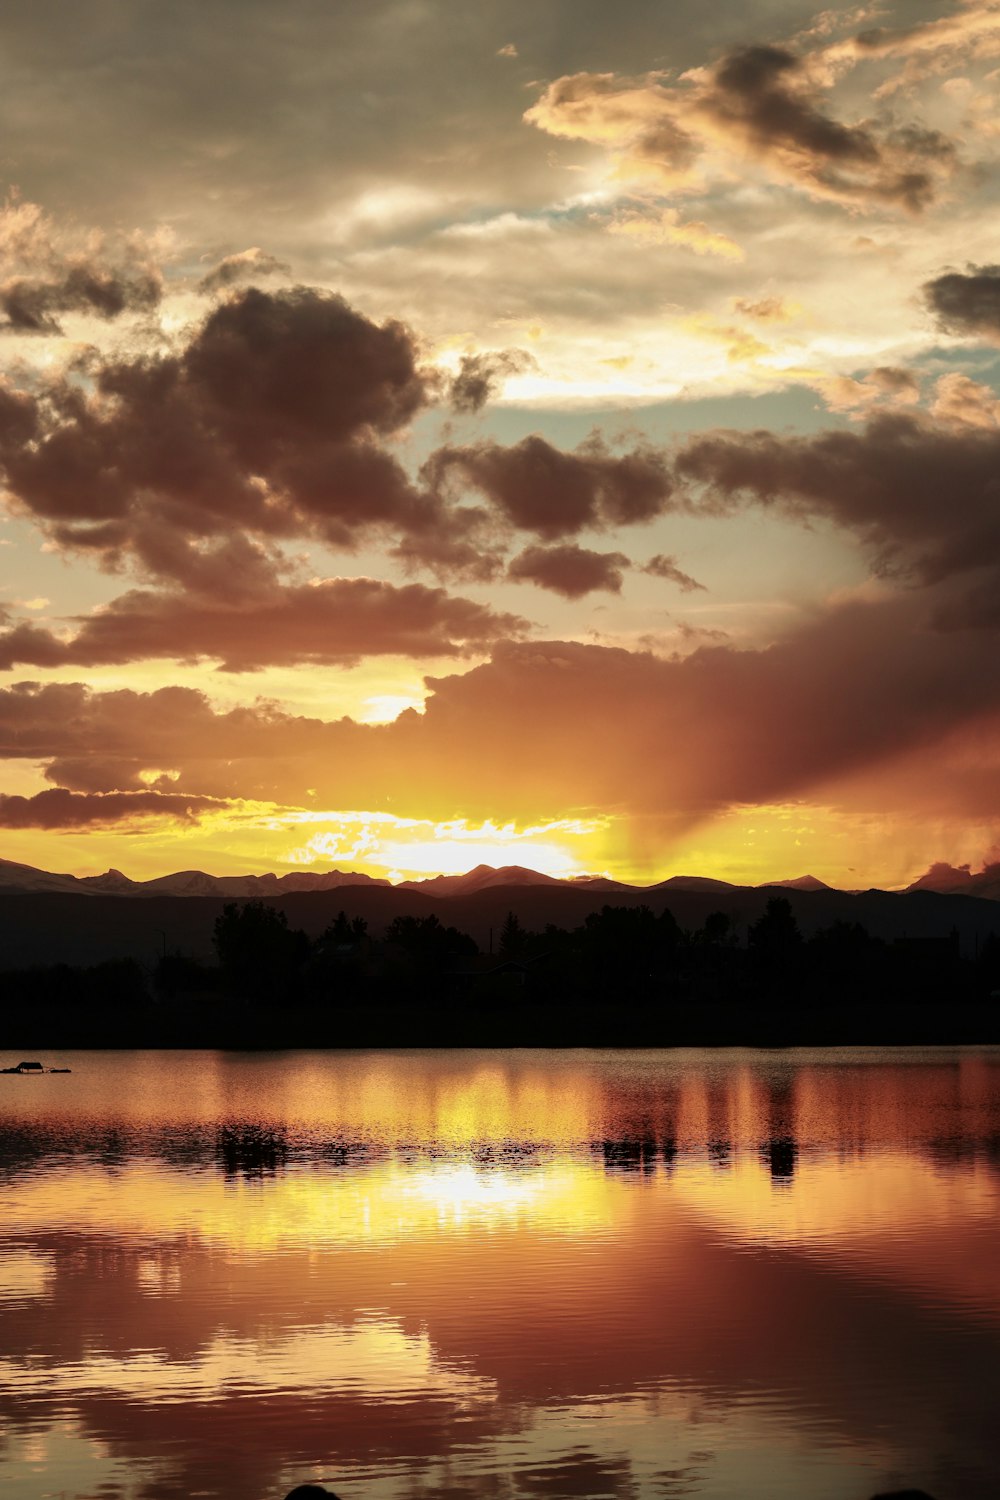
<point x="15" y="877"/>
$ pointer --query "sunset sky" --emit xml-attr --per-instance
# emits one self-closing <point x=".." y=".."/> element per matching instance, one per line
<point x="556" y="434"/>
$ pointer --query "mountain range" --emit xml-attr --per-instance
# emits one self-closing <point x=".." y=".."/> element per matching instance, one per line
<point x="16" y="877"/>
<point x="943" y="878"/>
<point x="43" y="919"/>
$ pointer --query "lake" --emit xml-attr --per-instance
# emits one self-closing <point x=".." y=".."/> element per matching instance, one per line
<point x="732" y="1275"/>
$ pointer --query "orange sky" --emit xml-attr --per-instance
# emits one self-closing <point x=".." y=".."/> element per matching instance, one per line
<point x="540" y="440"/>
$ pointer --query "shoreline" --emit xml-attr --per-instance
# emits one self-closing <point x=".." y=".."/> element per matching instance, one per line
<point x="404" y="1025"/>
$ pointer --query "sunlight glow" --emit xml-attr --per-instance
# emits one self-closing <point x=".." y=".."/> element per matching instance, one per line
<point x="410" y="847"/>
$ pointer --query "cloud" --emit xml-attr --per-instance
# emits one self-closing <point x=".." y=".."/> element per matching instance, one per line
<point x="961" y="402"/>
<point x="45" y="272"/>
<point x="268" y="421"/>
<point x="570" y="570"/>
<point x="480" y="376"/>
<point x="554" y="494"/>
<point x="30" y="305"/>
<point x="844" y="692"/>
<point x="274" y="420"/>
<point x="920" y="493"/>
<point x="667" y="228"/>
<point x="339" y="620"/>
<point x="636" y="116"/>
<point x="766" y="98"/>
<point x="967" y="302"/>
<point x="764" y="309"/>
<point x="885" y="386"/>
<point x="59" y="808"/>
<point x="242" y="265"/>
<point x="761" y="99"/>
<point x="662" y="566"/>
<point x="966" y="36"/>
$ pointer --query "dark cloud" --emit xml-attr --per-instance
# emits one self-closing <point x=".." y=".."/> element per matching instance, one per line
<point x="756" y="87"/>
<point x="570" y="570"/>
<point x="847" y="691"/>
<point x="539" y="488"/>
<point x="268" y="421"/>
<point x="967" y="302"/>
<point x="339" y="620"/>
<point x="470" y="548"/>
<point x="480" y="376"/>
<point x="242" y="265"/>
<point x="662" y="566"/>
<point x="273" y="422"/>
<point x="48" y="270"/>
<point x="764" y="95"/>
<point x="59" y="808"/>
<point x="761" y="99"/>
<point x="31" y="305"/>
<point x="922" y="494"/>
<point x="285" y="366"/>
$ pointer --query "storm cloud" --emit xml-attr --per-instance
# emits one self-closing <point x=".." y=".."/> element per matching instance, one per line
<point x="681" y="739"/>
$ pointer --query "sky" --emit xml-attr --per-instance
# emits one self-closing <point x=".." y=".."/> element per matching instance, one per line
<point x="557" y="434"/>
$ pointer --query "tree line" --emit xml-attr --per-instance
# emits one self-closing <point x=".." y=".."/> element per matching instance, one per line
<point x="622" y="954"/>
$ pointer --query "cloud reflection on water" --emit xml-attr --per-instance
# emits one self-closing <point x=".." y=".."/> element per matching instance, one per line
<point x="679" y="1276"/>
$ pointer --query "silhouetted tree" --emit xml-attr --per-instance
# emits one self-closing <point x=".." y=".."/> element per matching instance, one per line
<point x="629" y="944"/>
<point x="512" y="937"/>
<point x="777" y="931"/>
<point x="845" y="954"/>
<point x="335" y="965"/>
<point x="775" y="942"/>
<point x="719" y="931"/>
<point x="259" y="954"/>
<point x="343" y="931"/>
<point x="427" y="943"/>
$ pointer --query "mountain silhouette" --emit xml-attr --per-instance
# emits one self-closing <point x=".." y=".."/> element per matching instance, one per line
<point x="479" y="879"/>
<point x="16" y="877"/>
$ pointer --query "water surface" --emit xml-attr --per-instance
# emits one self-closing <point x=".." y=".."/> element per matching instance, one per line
<point x="507" y="1275"/>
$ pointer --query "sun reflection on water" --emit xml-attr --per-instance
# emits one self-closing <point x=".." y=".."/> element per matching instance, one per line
<point x="632" y="1275"/>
